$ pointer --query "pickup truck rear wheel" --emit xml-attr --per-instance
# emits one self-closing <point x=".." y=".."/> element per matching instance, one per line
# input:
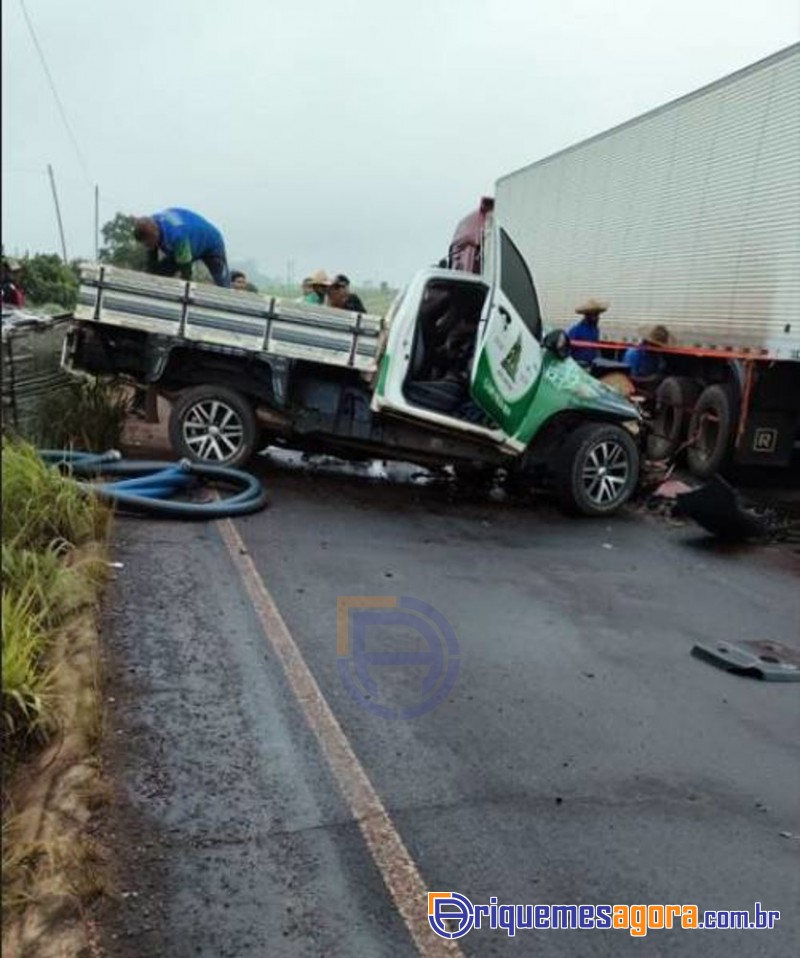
<point x="215" y="425"/>
<point x="596" y="469"/>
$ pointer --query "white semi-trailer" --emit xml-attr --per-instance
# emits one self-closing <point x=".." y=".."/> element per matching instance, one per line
<point x="687" y="217"/>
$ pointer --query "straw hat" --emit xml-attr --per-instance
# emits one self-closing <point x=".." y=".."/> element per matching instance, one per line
<point x="320" y="278"/>
<point x="657" y="336"/>
<point x="592" y="306"/>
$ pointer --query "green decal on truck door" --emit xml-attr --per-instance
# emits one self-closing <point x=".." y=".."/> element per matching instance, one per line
<point x="497" y="400"/>
<point x="508" y="357"/>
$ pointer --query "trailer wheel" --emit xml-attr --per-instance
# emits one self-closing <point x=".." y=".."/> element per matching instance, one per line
<point x="675" y="397"/>
<point x="213" y="424"/>
<point x="596" y="469"/>
<point x="711" y="431"/>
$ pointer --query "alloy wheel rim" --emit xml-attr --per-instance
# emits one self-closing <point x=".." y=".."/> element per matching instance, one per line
<point x="605" y="472"/>
<point x="213" y="430"/>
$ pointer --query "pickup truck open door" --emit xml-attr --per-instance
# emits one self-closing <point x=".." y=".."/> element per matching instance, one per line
<point x="508" y="355"/>
<point x="500" y="375"/>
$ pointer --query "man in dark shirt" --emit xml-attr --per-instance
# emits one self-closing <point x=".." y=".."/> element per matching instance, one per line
<point x="175" y="238"/>
<point x="340" y="297"/>
<point x="240" y="281"/>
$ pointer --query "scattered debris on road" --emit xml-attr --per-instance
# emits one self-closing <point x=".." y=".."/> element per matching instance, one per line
<point x="727" y="514"/>
<point x="768" y="661"/>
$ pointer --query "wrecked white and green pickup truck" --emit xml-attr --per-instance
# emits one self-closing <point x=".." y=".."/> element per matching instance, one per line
<point x="458" y="372"/>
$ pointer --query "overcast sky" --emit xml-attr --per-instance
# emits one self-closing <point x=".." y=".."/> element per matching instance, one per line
<point x="349" y="136"/>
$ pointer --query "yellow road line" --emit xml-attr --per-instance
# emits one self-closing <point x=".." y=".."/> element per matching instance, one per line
<point x="399" y="872"/>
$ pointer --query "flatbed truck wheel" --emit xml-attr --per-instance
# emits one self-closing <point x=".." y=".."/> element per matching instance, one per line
<point x="213" y="425"/>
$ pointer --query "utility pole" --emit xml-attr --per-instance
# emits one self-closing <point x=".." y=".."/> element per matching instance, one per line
<point x="96" y="222"/>
<point x="58" y="213"/>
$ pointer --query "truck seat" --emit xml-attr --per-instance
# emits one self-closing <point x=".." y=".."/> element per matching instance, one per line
<point x="434" y="306"/>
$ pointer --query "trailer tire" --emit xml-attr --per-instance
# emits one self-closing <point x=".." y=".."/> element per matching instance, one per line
<point x="213" y="425"/>
<point x="596" y="469"/>
<point x="675" y="397"/>
<point x="712" y="424"/>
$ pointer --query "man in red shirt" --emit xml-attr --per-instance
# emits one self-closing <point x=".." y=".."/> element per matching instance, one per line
<point x="13" y="294"/>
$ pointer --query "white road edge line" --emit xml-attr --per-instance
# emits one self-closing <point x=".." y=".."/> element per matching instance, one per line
<point x="397" y="868"/>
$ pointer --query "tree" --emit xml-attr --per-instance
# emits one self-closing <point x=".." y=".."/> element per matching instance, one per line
<point x="120" y="248"/>
<point x="46" y="279"/>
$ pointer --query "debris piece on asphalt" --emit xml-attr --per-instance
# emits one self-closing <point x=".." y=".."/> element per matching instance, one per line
<point x="733" y="658"/>
<point x="722" y="511"/>
<point x="672" y="488"/>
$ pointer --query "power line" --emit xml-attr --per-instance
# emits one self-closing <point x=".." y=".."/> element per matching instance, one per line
<point x="57" y="98"/>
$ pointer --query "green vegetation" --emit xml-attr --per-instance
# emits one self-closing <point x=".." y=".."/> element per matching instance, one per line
<point x="86" y="414"/>
<point x="47" y="525"/>
<point x="120" y="248"/>
<point x="49" y="283"/>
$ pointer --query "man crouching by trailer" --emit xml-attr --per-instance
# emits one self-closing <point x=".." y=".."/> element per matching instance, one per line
<point x="176" y="238"/>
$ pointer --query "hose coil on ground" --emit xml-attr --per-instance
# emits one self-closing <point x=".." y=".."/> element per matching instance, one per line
<point x="147" y="486"/>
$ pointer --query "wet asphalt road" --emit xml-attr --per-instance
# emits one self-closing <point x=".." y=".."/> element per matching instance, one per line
<point x="582" y="756"/>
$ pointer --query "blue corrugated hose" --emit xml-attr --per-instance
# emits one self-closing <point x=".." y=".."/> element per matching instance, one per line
<point x="148" y="486"/>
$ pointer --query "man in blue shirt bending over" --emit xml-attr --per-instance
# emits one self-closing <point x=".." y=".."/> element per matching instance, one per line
<point x="175" y="238"/>
<point x="587" y="330"/>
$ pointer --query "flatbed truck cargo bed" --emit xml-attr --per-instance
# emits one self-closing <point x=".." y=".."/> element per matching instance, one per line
<point x="198" y="313"/>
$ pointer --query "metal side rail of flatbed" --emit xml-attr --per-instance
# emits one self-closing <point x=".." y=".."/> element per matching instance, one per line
<point x="201" y="313"/>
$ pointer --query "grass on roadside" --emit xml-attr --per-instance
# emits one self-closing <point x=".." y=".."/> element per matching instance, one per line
<point x="46" y="576"/>
<point x="87" y="414"/>
<point x="27" y="706"/>
<point x="53" y="564"/>
<point x="40" y="510"/>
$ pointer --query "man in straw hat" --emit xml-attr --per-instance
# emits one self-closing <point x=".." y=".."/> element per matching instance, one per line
<point x="587" y="330"/>
<point x="644" y="363"/>
<point x="318" y="285"/>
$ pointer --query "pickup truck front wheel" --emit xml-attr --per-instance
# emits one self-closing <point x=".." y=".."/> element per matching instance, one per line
<point x="596" y="470"/>
<point x="215" y="425"/>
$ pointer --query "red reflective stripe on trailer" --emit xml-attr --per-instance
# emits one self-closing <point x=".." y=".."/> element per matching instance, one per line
<point x="761" y="355"/>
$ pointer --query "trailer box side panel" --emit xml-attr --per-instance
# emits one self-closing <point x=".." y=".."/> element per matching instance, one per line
<point x="686" y="216"/>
